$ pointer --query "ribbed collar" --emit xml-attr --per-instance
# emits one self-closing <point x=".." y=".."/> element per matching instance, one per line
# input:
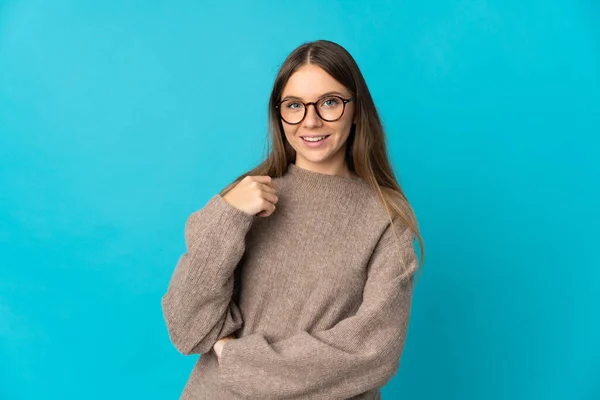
<point x="310" y="180"/>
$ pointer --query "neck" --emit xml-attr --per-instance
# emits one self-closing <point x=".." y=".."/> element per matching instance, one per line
<point x="338" y="169"/>
<point x="310" y="181"/>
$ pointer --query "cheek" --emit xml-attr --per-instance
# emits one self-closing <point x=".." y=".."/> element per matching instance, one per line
<point x="341" y="128"/>
<point x="290" y="130"/>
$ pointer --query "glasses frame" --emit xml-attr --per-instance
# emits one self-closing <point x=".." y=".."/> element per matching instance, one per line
<point x="314" y="103"/>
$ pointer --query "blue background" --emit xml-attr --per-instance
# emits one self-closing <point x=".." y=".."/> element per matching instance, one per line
<point x="119" y="119"/>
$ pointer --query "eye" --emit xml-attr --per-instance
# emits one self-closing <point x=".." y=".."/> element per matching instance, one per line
<point x="293" y="105"/>
<point x="330" y="102"/>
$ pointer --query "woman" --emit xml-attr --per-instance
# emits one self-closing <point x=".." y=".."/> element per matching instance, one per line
<point x="298" y="277"/>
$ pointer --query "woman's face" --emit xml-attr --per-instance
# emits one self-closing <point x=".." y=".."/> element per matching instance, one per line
<point x="310" y="83"/>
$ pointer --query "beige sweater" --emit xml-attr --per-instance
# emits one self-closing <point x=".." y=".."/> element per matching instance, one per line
<point x="318" y="294"/>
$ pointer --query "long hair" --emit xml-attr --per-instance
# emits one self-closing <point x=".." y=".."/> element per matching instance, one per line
<point x="366" y="151"/>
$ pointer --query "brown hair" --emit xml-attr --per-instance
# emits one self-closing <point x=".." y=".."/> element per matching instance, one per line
<point x="366" y="152"/>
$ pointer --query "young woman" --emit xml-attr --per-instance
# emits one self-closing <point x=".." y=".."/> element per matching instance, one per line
<point x="297" y="281"/>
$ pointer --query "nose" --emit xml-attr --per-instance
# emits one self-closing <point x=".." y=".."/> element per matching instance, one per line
<point x="312" y="120"/>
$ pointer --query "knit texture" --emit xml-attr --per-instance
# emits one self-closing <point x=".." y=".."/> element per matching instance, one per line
<point x="318" y="294"/>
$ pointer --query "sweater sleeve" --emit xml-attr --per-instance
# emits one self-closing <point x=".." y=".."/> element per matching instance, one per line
<point x="359" y="353"/>
<point x="198" y="307"/>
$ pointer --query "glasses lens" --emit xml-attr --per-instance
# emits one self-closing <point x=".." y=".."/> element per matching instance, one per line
<point x="331" y="108"/>
<point x="292" y="111"/>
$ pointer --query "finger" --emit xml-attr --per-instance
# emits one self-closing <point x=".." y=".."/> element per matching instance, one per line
<point x="271" y="197"/>
<point x="266" y="188"/>
<point x="269" y="209"/>
<point x="261" y="178"/>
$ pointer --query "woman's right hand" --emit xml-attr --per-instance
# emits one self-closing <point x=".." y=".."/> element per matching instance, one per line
<point x="255" y="195"/>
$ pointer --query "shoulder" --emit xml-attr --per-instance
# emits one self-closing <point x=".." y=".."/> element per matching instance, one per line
<point x="390" y="227"/>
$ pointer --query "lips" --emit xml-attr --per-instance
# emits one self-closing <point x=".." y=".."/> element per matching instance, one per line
<point x="315" y="144"/>
<point x="315" y="136"/>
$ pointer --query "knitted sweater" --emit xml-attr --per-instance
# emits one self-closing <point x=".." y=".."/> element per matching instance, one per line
<point x="318" y="294"/>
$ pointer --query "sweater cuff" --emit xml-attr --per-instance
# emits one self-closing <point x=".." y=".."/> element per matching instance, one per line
<point x="227" y="372"/>
<point x="228" y="219"/>
<point x="229" y="212"/>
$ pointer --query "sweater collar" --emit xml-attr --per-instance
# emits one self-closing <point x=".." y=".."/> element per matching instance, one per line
<point x="307" y="179"/>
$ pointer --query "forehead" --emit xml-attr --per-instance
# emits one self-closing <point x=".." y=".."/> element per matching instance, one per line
<point x="310" y="81"/>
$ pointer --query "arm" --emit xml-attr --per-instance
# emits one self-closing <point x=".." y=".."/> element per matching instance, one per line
<point x="198" y="306"/>
<point x="359" y="353"/>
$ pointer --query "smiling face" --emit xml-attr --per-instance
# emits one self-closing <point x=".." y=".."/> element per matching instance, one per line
<point x="309" y="83"/>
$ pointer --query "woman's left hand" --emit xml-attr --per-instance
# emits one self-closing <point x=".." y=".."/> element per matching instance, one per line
<point x="218" y="346"/>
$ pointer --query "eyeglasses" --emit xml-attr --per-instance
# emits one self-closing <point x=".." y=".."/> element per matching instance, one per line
<point x="328" y="108"/>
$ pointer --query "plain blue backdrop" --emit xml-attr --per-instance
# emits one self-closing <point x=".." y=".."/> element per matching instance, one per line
<point x="119" y="119"/>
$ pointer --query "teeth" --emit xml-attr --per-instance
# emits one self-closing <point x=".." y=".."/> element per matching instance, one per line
<point x="314" y="139"/>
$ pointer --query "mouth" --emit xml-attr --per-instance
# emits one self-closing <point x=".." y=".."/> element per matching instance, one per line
<point x="314" y="139"/>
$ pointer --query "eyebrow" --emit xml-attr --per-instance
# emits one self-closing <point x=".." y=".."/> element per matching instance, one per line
<point x="323" y="95"/>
